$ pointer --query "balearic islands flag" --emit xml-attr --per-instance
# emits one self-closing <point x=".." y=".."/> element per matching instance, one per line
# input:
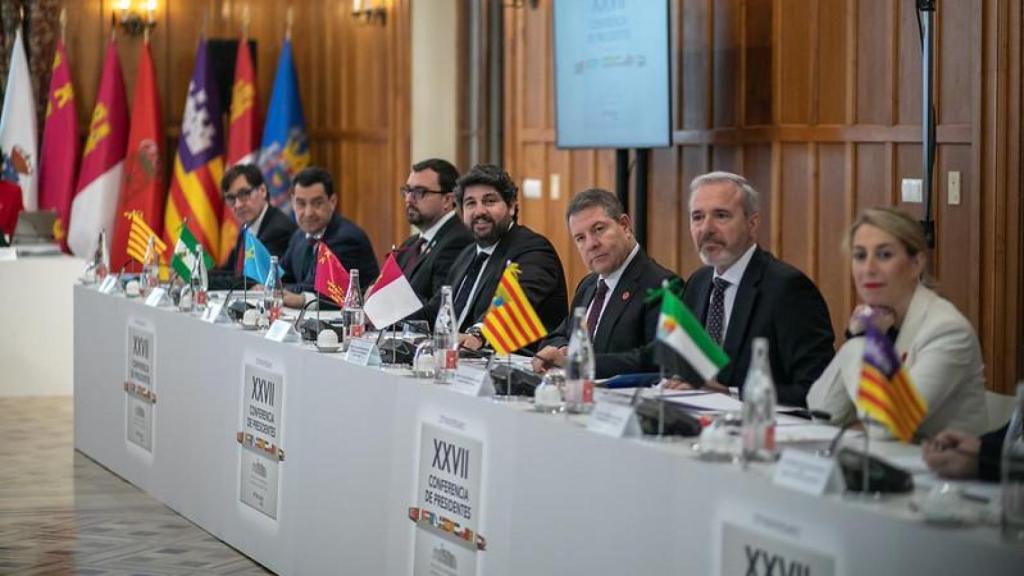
<point x="680" y="332"/>
<point x="142" y="190"/>
<point x="391" y="298"/>
<point x="511" y="321"/>
<point x="243" y="136"/>
<point x="93" y="207"/>
<point x="331" y="276"/>
<point x="19" y="146"/>
<point x="886" y="392"/>
<point x="285" y="147"/>
<point x="58" y="160"/>
<point x="199" y="163"/>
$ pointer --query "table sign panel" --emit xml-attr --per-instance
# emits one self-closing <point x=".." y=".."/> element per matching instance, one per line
<point x="363" y="352"/>
<point x="260" y="438"/>
<point x="472" y="381"/>
<point x="759" y="553"/>
<point x="614" y="419"/>
<point x="156" y="297"/>
<point x="447" y="511"/>
<point x="140" y="382"/>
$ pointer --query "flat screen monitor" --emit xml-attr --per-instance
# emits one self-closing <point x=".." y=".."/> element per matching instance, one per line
<point x="612" y="70"/>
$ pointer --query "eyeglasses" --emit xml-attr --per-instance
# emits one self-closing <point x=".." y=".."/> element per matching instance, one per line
<point x="417" y="192"/>
<point x="243" y="195"/>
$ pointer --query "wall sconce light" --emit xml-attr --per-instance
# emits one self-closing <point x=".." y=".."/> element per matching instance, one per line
<point x="369" y="11"/>
<point x="135" y="18"/>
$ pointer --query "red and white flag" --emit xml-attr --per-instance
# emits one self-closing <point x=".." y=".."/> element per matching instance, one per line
<point x="19" y="147"/>
<point x="391" y="298"/>
<point x="102" y="161"/>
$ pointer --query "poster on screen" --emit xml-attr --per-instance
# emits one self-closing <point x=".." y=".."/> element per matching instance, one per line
<point x="447" y="509"/>
<point x="261" y="455"/>
<point x="140" y="383"/>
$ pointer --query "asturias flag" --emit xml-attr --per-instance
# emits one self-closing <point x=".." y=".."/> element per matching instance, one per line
<point x="511" y="321"/>
<point x="886" y="392"/>
<point x="285" y="147"/>
<point x="391" y="298"/>
<point x="257" y="259"/>
<point x="142" y="189"/>
<point x="19" y="146"/>
<point x="93" y="207"/>
<point x="243" y="136"/>
<point x="199" y="162"/>
<point x="58" y="160"/>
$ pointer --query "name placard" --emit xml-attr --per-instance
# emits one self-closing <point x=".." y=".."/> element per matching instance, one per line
<point x="805" y="472"/>
<point x="108" y="284"/>
<point x="363" y="352"/>
<point x="8" y="254"/>
<point x="614" y="419"/>
<point x="212" y="314"/>
<point x="752" y="551"/>
<point x="472" y="381"/>
<point x="279" y="331"/>
<point x="156" y="297"/>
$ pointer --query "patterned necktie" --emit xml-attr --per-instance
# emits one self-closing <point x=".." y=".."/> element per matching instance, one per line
<point x="716" y="315"/>
<point x="467" y="282"/>
<point x="412" y="254"/>
<point x="595" y="308"/>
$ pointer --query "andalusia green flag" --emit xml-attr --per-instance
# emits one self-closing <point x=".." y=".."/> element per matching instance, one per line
<point x="184" y="259"/>
<point x="680" y="332"/>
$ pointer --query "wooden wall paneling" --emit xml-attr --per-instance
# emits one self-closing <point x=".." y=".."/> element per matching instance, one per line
<point x="908" y="111"/>
<point x="694" y="94"/>
<point x="758" y="166"/>
<point x="830" y="57"/>
<point x="756" y="69"/>
<point x="874" y="64"/>
<point x="794" y="75"/>
<point x="796" y="199"/>
<point x="833" y="270"/>
<point x="559" y="163"/>
<point x="693" y="162"/>
<point x="726" y="41"/>
<point x="871" y="186"/>
<point x="664" y="230"/>
<point x="955" y="246"/>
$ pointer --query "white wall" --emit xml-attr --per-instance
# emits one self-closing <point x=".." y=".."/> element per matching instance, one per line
<point x="434" y="80"/>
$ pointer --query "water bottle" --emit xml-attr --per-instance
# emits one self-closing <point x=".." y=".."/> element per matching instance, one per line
<point x="579" y="366"/>
<point x="273" y="293"/>
<point x="200" y="281"/>
<point x="1012" y="470"/>
<point x="759" y="406"/>
<point x="446" y="339"/>
<point x="150" y="276"/>
<point x="352" y="315"/>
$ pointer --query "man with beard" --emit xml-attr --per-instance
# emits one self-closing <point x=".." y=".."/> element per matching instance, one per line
<point x="487" y="197"/>
<point x="314" y="203"/>
<point x="429" y="196"/>
<point x="246" y="194"/>
<point x="743" y="293"/>
<point x="621" y="320"/>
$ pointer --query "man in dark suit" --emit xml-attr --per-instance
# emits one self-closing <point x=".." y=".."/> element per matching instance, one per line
<point x="744" y="293"/>
<point x="429" y="196"/>
<point x="620" y="319"/>
<point x="487" y="197"/>
<point x="246" y="194"/>
<point x="314" y="202"/>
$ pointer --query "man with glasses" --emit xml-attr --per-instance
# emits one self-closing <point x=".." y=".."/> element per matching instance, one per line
<point x="246" y="195"/>
<point x="314" y="202"/>
<point x="429" y="197"/>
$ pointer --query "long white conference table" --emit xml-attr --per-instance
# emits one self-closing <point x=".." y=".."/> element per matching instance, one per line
<point x="542" y="494"/>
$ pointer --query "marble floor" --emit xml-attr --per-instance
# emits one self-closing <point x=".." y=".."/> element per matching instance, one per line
<point x="61" y="513"/>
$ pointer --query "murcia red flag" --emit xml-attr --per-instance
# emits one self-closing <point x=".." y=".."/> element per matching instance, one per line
<point x="331" y="276"/>
<point x="59" y="158"/>
<point x="243" y="136"/>
<point x="142" y="189"/>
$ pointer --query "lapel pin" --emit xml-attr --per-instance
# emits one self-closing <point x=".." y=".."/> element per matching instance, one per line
<point x="625" y="295"/>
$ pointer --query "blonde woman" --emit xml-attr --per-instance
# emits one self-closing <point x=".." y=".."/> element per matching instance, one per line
<point x="935" y="343"/>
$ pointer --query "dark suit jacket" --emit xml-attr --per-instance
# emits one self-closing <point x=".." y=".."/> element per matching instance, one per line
<point x="780" y="303"/>
<point x="629" y="321"/>
<point x="428" y="274"/>
<point x="348" y="242"/>
<point x="275" y="232"/>
<point x="540" y="276"/>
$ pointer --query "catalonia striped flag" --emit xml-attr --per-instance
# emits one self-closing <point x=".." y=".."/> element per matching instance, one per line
<point x="511" y="322"/>
<point x="198" y="163"/>
<point x="139" y="234"/>
<point x="886" y="392"/>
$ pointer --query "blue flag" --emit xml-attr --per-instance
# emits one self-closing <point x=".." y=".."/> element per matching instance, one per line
<point x="257" y="259"/>
<point x="285" y="147"/>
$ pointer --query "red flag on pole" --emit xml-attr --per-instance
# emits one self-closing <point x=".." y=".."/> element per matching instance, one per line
<point x="243" y="136"/>
<point x="92" y="208"/>
<point x="142" y="189"/>
<point x="59" y="158"/>
<point x="331" y="276"/>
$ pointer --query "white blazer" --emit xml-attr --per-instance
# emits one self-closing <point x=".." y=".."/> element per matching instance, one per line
<point x="941" y="354"/>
